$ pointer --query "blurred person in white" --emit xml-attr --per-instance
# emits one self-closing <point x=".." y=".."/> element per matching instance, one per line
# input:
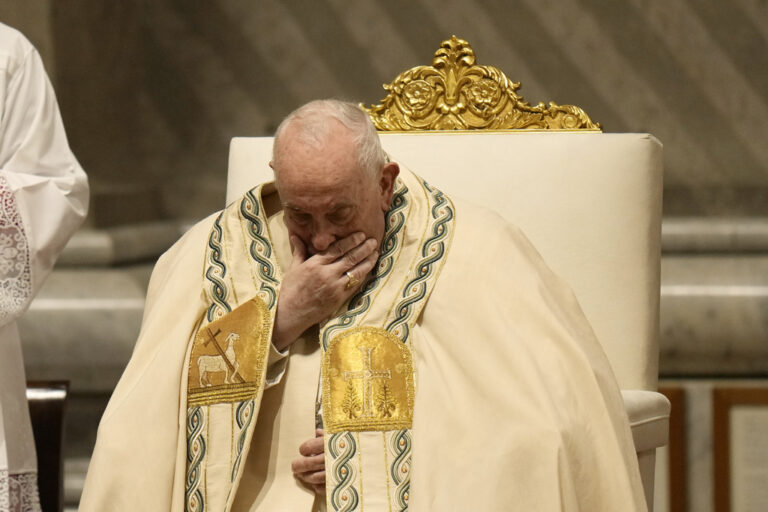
<point x="43" y="200"/>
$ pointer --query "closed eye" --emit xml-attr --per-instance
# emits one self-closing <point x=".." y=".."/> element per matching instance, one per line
<point x="300" y="218"/>
<point x="341" y="215"/>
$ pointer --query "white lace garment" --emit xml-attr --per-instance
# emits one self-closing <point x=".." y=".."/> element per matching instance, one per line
<point x="15" y="278"/>
<point x="18" y="492"/>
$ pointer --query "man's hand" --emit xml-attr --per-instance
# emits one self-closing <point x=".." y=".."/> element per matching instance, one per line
<point x="310" y="467"/>
<point x="314" y="287"/>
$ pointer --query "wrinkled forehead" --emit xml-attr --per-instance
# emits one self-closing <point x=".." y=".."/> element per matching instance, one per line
<point x="322" y="194"/>
<point x="312" y="138"/>
<point x="325" y="166"/>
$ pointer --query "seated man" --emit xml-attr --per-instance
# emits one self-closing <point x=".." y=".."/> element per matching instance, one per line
<point x="351" y="338"/>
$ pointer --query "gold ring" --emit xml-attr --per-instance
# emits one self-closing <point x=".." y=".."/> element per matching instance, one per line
<point x="352" y="281"/>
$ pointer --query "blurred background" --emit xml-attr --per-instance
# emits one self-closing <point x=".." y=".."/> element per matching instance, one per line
<point x="152" y="92"/>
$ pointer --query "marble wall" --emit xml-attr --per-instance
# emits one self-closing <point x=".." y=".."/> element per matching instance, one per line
<point x="152" y="92"/>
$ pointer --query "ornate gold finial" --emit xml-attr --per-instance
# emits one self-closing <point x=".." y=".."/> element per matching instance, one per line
<point x="455" y="94"/>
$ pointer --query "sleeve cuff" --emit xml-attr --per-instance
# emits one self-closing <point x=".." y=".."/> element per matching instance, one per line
<point x="276" y="364"/>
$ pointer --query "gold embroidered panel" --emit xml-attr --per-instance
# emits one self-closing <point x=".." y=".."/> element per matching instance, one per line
<point x="456" y="94"/>
<point x="228" y="356"/>
<point x="367" y="382"/>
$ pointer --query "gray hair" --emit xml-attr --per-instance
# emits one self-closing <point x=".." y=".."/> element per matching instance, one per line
<point x="314" y="129"/>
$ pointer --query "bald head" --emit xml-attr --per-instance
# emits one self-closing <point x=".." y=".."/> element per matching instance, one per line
<point x="321" y="123"/>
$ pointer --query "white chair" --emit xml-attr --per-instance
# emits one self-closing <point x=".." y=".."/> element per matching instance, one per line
<point x="589" y="201"/>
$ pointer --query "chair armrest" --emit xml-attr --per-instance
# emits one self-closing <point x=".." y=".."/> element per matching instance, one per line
<point x="648" y="413"/>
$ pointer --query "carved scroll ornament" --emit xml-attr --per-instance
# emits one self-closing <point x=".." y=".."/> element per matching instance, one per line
<point x="455" y="94"/>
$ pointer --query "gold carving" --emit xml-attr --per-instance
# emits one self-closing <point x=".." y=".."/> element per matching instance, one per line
<point x="367" y="382"/>
<point x="455" y="94"/>
<point x="228" y="356"/>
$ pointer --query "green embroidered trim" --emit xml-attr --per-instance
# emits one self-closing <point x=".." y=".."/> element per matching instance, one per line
<point x="343" y="448"/>
<point x="196" y="451"/>
<point x="400" y="471"/>
<point x="243" y="417"/>
<point x="418" y="287"/>
<point x="216" y="272"/>
<point x="260" y="248"/>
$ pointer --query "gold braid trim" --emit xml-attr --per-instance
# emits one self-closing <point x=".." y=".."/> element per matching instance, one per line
<point x="222" y="394"/>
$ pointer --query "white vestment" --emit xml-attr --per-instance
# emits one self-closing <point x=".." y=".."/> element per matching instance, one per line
<point x="515" y="405"/>
<point x="43" y="199"/>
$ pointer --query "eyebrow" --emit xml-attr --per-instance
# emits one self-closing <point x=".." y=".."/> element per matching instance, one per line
<point x="335" y="207"/>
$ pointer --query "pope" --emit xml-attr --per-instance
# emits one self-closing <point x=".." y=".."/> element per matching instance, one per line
<point x="396" y="349"/>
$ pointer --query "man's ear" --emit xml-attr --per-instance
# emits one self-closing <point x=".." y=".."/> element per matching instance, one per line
<point x="387" y="184"/>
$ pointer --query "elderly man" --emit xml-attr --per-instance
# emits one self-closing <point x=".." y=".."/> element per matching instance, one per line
<point x="397" y="350"/>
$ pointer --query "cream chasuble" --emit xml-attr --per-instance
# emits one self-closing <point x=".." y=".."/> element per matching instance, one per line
<point x="462" y="376"/>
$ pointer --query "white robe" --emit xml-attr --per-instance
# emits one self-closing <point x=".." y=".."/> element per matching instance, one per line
<point x="516" y="407"/>
<point x="43" y="199"/>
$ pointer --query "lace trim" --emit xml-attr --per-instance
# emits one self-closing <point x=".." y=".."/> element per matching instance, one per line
<point x="15" y="274"/>
<point x="18" y="492"/>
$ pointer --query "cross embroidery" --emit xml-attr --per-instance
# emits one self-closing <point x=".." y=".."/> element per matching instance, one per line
<point x="367" y="375"/>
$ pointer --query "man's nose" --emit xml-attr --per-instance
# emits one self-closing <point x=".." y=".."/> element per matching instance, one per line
<point x="321" y="240"/>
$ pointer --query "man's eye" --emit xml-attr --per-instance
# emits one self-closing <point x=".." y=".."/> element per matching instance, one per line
<point x="340" y="216"/>
<point x="300" y="218"/>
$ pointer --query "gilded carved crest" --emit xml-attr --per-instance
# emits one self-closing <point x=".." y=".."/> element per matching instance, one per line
<point x="456" y="94"/>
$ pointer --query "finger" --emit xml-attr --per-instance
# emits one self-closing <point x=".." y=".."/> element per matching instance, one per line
<point x="319" y="489"/>
<point x="360" y="270"/>
<point x="355" y="255"/>
<point x="314" y="478"/>
<point x="340" y="247"/>
<point x="312" y="447"/>
<point x="307" y="464"/>
<point x="319" y="432"/>
<point x="298" y="250"/>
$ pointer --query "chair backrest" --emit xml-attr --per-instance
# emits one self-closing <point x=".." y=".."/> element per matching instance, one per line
<point x="589" y="201"/>
<point x="47" y="400"/>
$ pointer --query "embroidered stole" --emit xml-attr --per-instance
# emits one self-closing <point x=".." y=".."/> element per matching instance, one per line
<point x="227" y="358"/>
<point x="367" y="371"/>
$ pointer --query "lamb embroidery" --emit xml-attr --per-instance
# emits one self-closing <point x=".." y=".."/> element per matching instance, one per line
<point x="225" y="361"/>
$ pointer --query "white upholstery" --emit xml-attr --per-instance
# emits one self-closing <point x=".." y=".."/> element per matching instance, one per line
<point x="591" y="204"/>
